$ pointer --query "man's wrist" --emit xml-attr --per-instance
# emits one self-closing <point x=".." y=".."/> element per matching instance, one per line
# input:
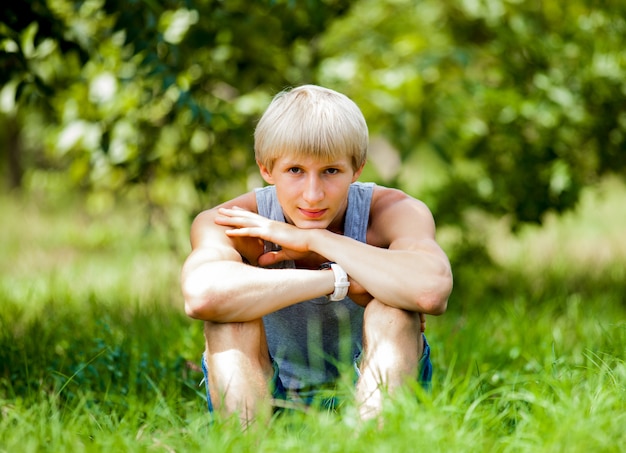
<point x="342" y="284"/>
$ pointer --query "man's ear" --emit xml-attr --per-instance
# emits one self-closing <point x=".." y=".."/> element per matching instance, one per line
<point x="265" y="173"/>
<point x="358" y="172"/>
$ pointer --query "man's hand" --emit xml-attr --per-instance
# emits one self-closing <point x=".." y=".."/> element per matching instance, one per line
<point x="358" y="294"/>
<point x="293" y="240"/>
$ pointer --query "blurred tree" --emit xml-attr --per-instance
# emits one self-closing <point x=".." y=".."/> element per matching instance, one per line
<point x="506" y="106"/>
<point x="27" y="37"/>
<point x="156" y="98"/>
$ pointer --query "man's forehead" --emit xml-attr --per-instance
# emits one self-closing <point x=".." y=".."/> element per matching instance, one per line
<point x="296" y="159"/>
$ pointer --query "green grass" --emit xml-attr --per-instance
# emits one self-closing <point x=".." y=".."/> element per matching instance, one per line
<point x="97" y="355"/>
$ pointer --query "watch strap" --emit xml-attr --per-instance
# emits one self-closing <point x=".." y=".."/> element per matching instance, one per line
<point x="342" y="284"/>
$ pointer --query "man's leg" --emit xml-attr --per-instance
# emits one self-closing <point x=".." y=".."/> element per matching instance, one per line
<point x="392" y="348"/>
<point x="239" y="368"/>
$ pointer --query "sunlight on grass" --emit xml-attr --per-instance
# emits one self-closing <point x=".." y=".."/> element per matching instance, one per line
<point x="70" y="252"/>
<point x="589" y="238"/>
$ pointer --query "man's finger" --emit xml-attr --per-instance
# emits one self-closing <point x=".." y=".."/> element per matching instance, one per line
<point x="273" y="257"/>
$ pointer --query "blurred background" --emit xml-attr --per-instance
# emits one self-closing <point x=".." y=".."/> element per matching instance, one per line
<point x="121" y="120"/>
<point x="499" y="114"/>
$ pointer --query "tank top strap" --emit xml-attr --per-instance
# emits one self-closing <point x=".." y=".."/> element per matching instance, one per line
<point x="358" y="211"/>
<point x="267" y="203"/>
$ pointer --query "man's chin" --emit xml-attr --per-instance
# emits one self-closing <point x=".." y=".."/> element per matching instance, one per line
<point x="311" y="224"/>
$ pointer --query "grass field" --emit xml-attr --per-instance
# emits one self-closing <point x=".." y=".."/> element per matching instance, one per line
<point x="97" y="355"/>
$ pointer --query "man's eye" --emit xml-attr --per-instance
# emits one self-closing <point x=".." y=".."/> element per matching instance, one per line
<point x="294" y="170"/>
<point x="332" y="171"/>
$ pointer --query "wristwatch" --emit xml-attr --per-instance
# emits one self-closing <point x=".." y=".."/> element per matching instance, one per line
<point x="341" y="281"/>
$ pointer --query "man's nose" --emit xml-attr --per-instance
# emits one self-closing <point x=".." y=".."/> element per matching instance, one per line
<point x="314" y="190"/>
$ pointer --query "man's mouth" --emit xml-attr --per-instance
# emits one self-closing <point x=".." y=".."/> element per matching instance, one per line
<point x="312" y="213"/>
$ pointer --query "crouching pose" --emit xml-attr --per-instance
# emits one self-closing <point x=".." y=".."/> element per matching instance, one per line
<point x="316" y="272"/>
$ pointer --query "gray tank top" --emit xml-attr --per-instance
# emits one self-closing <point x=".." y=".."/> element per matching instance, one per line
<point x="315" y="340"/>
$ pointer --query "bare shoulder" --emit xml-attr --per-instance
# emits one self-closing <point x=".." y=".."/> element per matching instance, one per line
<point x="204" y="222"/>
<point x="209" y="240"/>
<point x="394" y="214"/>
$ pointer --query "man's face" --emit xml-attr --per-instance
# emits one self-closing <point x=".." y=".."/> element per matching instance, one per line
<point x="312" y="193"/>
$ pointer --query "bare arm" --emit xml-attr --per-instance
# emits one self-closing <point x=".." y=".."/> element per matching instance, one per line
<point x="411" y="272"/>
<point x="219" y="286"/>
<point x="405" y="268"/>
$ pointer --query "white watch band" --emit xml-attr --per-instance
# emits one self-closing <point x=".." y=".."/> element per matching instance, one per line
<point x="341" y="283"/>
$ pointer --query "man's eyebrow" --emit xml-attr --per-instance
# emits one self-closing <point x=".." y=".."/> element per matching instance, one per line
<point x="325" y="165"/>
<point x="337" y="165"/>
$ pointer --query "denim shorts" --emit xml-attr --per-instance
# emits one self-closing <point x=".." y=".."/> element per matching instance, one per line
<point x="278" y="391"/>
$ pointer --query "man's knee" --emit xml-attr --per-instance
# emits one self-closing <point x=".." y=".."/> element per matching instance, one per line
<point x="381" y="320"/>
<point x="233" y="331"/>
<point x="247" y="337"/>
<point x="392" y="334"/>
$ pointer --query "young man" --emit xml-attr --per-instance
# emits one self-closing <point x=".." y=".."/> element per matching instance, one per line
<point x="316" y="272"/>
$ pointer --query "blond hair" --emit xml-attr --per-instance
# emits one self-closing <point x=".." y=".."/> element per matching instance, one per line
<point x="311" y="121"/>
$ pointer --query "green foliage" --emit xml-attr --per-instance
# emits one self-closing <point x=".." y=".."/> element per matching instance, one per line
<point x="510" y="107"/>
<point x="167" y="97"/>
<point x="506" y="107"/>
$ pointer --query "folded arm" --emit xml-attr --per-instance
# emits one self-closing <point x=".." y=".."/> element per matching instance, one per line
<point x="407" y="269"/>
<point x="219" y="286"/>
<point x="401" y="265"/>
